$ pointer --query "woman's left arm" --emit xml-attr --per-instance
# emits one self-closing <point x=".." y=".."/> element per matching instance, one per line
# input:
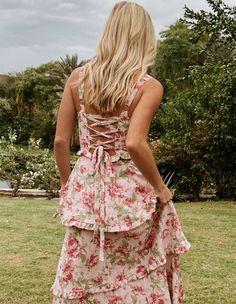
<point x="64" y="129"/>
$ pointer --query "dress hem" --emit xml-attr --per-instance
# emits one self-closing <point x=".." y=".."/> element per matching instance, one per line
<point x="55" y="291"/>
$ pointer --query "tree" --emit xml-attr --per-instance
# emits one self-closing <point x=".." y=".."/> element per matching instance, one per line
<point x="219" y="26"/>
<point x="34" y="93"/>
<point x="175" y="53"/>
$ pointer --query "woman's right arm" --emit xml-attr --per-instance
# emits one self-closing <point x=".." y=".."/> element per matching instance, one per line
<point x="136" y="140"/>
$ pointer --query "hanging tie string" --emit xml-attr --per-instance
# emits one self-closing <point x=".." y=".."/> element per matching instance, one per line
<point x="101" y="161"/>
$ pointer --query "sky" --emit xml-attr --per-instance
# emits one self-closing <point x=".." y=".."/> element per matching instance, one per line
<point x="33" y="32"/>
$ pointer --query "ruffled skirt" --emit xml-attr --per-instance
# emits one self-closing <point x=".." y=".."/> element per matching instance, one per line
<point x="141" y="265"/>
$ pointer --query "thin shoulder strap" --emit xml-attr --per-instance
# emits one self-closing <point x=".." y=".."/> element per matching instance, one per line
<point x="81" y="84"/>
<point x="136" y="87"/>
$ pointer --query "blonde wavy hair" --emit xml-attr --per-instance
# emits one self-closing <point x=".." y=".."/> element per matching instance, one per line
<point x="127" y="48"/>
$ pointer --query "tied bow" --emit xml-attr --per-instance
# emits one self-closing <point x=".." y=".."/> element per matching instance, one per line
<point x="101" y="160"/>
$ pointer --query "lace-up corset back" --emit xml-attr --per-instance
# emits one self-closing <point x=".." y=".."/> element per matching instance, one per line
<point x="107" y="133"/>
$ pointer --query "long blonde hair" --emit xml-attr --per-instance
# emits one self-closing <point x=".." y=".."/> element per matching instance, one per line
<point x="127" y="48"/>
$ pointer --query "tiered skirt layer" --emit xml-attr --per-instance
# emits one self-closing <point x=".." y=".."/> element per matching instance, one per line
<point x="142" y="265"/>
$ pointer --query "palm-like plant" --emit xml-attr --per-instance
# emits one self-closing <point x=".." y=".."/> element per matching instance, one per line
<point x="67" y="65"/>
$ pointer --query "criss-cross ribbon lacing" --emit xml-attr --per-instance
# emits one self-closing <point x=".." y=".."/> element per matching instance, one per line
<point x="101" y="161"/>
<point x="100" y="153"/>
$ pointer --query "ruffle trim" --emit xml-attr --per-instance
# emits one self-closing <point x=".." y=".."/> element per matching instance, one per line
<point x="155" y="259"/>
<point x="72" y="221"/>
<point x="82" y="292"/>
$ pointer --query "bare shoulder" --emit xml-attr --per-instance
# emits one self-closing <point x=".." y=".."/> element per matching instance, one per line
<point x="152" y="93"/>
<point x="153" y="87"/>
<point x="73" y="77"/>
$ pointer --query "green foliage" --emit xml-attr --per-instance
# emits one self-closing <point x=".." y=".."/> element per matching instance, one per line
<point x="200" y="129"/>
<point x="218" y="27"/>
<point x="7" y="113"/>
<point x="197" y="123"/>
<point x="175" y="53"/>
<point x="67" y="65"/>
<point x="33" y="96"/>
<point x="30" y="100"/>
<point x="5" y="82"/>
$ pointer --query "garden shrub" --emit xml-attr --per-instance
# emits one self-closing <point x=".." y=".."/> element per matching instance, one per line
<point x="200" y="123"/>
<point x="28" y="167"/>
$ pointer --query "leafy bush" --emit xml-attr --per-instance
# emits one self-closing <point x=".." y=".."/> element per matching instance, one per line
<point x="199" y="140"/>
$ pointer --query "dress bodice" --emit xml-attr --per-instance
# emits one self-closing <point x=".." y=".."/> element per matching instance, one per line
<point x="116" y="127"/>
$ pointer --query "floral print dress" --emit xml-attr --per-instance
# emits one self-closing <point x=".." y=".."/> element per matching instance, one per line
<point x="120" y="245"/>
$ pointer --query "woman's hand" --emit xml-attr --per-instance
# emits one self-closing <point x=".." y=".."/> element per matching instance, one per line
<point x="62" y="188"/>
<point x="164" y="195"/>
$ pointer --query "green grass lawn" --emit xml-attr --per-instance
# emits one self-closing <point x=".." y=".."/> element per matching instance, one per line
<point x="31" y="239"/>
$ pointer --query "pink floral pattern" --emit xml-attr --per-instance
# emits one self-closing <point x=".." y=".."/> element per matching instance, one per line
<point x="126" y="195"/>
<point x="135" y="258"/>
<point x="141" y="266"/>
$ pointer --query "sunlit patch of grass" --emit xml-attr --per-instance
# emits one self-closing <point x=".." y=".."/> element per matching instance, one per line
<point x="209" y="268"/>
